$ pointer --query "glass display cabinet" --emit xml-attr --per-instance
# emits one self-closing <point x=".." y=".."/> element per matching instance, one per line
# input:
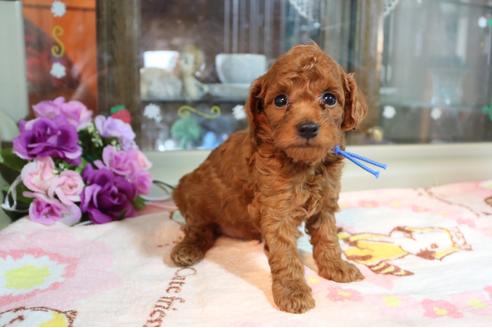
<point x="183" y="67"/>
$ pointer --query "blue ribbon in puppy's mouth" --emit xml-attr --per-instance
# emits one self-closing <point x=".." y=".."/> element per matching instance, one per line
<point x="358" y="159"/>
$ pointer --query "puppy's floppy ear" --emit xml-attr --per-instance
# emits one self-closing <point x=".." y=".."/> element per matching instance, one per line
<point x="355" y="104"/>
<point x="253" y="108"/>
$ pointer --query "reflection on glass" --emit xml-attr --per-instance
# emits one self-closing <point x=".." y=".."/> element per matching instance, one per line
<point x="425" y="66"/>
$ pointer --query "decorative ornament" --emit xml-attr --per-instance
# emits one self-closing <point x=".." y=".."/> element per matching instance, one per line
<point x="120" y="112"/>
<point x="58" y="70"/>
<point x="376" y="133"/>
<point x="389" y="112"/>
<point x="58" y="8"/>
<point x="153" y="112"/>
<point x="58" y="49"/>
<point x="436" y="113"/>
<point x="186" y="130"/>
<point x="482" y="22"/>
<point x="185" y="111"/>
<point x="487" y="109"/>
<point x="238" y="112"/>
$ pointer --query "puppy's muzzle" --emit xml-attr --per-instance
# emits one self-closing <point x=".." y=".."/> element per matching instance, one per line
<point x="308" y="130"/>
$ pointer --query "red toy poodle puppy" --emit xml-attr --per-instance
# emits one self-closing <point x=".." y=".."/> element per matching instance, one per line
<point x="264" y="182"/>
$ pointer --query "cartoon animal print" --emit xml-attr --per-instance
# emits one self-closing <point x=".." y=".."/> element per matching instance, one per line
<point x="37" y="317"/>
<point x="376" y="251"/>
<point x="488" y="200"/>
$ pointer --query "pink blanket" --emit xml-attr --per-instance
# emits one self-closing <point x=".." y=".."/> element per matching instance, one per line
<point x="426" y="255"/>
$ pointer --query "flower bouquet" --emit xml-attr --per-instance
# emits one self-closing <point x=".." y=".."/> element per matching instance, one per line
<point x="64" y="166"/>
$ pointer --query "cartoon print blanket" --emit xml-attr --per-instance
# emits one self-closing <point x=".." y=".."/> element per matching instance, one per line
<point x="426" y="255"/>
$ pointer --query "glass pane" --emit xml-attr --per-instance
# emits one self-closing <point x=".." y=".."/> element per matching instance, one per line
<point x="436" y="72"/>
<point x="61" y="50"/>
<point x="183" y="67"/>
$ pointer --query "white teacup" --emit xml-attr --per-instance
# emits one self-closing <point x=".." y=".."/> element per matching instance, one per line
<point x="240" y="68"/>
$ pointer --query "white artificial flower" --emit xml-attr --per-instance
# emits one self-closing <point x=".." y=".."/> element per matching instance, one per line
<point x="238" y="112"/>
<point x="153" y="112"/>
<point x="58" y="70"/>
<point x="436" y="113"/>
<point x="482" y="22"/>
<point x="58" y="8"/>
<point x="389" y="112"/>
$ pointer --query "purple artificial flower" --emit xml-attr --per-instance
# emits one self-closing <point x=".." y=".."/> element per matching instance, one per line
<point x="43" y="137"/>
<point x="74" y="111"/>
<point x="116" y="128"/>
<point x="107" y="196"/>
<point x="47" y="211"/>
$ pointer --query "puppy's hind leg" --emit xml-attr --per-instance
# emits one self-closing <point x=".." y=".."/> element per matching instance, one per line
<point x="197" y="241"/>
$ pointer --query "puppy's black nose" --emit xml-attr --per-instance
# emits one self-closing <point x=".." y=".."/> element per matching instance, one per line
<point x="308" y="130"/>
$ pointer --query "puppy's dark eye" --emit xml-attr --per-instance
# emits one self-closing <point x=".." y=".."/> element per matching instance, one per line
<point x="329" y="99"/>
<point x="280" y="100"/>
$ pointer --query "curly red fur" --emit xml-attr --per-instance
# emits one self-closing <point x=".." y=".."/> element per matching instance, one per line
<point x="264" y="182"/>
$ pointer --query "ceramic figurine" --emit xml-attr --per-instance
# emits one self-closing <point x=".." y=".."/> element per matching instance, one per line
<point x="189" y="61"/>
<point x="157" y="83"/>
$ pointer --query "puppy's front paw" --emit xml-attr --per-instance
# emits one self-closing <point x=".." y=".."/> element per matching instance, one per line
<point x="340" y="272"/>
<point x="186" y="254"/>
<point x="293" y="296"/>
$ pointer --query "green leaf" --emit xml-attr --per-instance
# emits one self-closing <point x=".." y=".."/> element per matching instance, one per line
<point x="10" y="164"/>
<point x="79" y="169"/>
<point x="10" y="159"/>
<point x="90" y="150"/>
<point x="139" y="203"/>
<point x="22" y="208"/>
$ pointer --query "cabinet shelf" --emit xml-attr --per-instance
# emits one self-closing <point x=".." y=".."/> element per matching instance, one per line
<point x="207" y="100"/>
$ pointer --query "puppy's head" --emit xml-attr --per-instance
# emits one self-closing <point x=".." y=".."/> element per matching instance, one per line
<point x="304" y="104"/>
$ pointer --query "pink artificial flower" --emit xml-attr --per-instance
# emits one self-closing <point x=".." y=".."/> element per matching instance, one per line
<point x="118" y="161"/>
<point x="140" y="161"/>
<point x="341" y="294"/>
<point x="437" y="309"/>
<point x="125" y="162"/>
<point x="67" y="186"/>
<point x="49" y="108"/>
<point x="142" y="180"/>
<point x="131" y="164"/>
<point x="488" y="290"/>
<point x="38" y="175"/>
<point x="75" y="112"/>
<point x="111" y="127"/>
<point x="47" y="211"/>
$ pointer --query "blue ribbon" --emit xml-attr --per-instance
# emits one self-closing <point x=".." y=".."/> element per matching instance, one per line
<point x="356" y="158"/>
